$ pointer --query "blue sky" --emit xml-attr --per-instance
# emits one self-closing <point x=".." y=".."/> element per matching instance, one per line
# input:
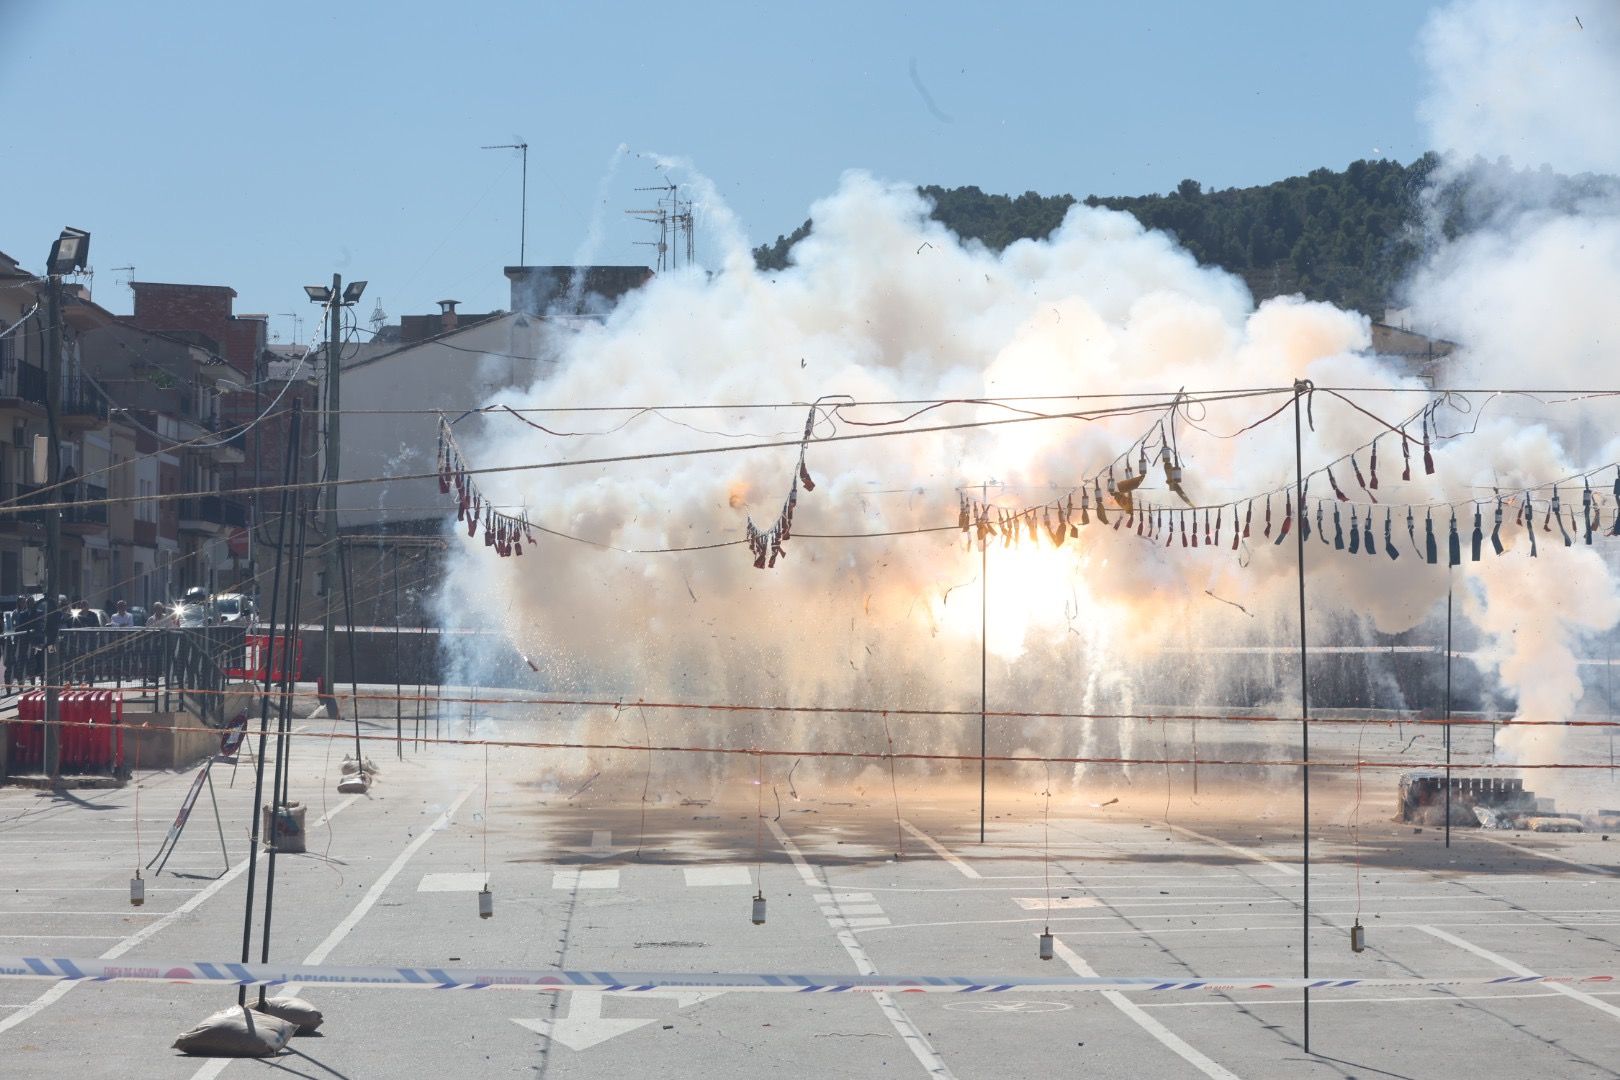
<point x="264" y="146"/>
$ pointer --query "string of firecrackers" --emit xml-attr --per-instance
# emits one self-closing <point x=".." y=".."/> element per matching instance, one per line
<point x="1209" y="525"/>
<point x="502" y="531"/>
<point x="630" y="982"/>
<point x="766" y="545"/>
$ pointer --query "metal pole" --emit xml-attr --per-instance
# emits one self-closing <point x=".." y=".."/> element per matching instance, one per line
<point x="283" y="773"/>
<point x="399" y="746"/>
<point x="354" y="668"/>
<point x="523" y="235"/>
<point x="53" y="526"/>
<point x="264" y="704"/>
<point x="331" y="443"/>
<point x="984" y="652"/>
<point x="1448" y="715"/>
<point x="1301" y="386"/>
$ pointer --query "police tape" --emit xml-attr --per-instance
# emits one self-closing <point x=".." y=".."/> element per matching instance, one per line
<point x="424" y="978"/>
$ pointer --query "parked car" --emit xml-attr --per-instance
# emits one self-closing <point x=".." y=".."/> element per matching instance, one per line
<point x="233" y="609"/>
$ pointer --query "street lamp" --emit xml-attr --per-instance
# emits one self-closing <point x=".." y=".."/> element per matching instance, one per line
<point x="335" y="297"/>
<point x="70" y="253"/>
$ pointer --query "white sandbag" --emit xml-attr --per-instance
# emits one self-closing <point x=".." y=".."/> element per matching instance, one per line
<point x="303" y="1016"/>
<point x="236" y="1032"/>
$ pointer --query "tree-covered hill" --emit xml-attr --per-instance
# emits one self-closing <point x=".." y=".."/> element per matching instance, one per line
<point x="1348" y="237"/>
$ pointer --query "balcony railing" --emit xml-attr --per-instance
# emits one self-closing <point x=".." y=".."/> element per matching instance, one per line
<point x="93" y="514"/>
<point x="24" y="381"/>
<point x="214" y="510"/>
<point x="24" y="495"/>
<point x="84" y="402"/>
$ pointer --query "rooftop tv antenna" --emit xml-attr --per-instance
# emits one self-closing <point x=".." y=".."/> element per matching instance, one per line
<point x="523" y="226"/>
<point x="676" y="227"/>
<point x="298" y="325"/>
<point x="379" y="318"/>
<point x="128" y="282"/>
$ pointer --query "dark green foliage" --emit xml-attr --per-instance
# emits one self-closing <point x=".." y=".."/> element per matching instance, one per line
<point x="1347" y="237"/>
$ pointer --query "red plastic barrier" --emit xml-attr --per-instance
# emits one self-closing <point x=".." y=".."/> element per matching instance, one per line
<point x="28" y="733"/>
<point x="69" y="734"/>
<point x="254" y="651"/>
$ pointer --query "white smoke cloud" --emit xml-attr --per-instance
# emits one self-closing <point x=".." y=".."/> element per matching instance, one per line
<point x="1529" y="296"/>
<point x="1537" y="83"/>
<point x="881" y="303"/>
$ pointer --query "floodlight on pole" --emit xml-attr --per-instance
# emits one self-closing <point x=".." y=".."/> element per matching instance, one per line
<point x="70" y="252"/>
<point x="318" y="294"/>
<point x="352" y="291"/>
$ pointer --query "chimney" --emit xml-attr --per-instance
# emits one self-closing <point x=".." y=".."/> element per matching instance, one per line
<point x="447" y="313"/>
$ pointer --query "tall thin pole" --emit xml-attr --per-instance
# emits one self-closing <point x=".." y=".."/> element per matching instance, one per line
<point x="53" y="526"/>
<point x="399" y="746"/>
<point x="523" y="226"/>
<point x="984" y="650"/>
<point x="283" y="774"/>
<point x="354" y="670"/>
<point x="1301" y="387"/>
<point x="333" y="447"/>
<point x="264" y="701"/>
<point x="1448" y="715"/>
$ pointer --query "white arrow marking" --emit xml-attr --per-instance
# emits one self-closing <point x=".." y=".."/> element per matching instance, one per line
<point x="601" y="846"/>
<point x="585" y="1026"/>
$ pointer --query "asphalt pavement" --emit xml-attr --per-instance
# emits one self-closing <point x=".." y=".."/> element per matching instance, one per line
<point x="624" y="870"/>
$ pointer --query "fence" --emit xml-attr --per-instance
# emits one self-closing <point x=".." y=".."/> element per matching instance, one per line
<point x="185" y="666"/>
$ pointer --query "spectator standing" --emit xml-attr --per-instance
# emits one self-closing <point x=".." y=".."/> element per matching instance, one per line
<point x="121" y="616"/>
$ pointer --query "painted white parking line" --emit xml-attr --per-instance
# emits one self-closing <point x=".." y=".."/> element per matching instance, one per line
<point x="1432" y="999"/>
<point x="585" y="879"/>
<point x="707" y="876"/>
<point x="457" y="882"/>
<point x="1519" y="969"/>
<point x="1247" y="853"/>
<point x="1142" y="1020"/>
<point x="852" y="909"/>
<point x="939" y="849"/>
<point x="843" y="898"/>
<point x="60" y="990"/>
<point x="914" y="1039"/>
<point x="838" y="921"/>
<point x="1522" y="850"/>
<point x="1040" y="903"/>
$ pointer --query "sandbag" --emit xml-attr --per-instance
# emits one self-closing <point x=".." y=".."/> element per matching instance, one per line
<point x="284" y="830"/>
<point x="303" y="1016"/>
<point x="236" y="1032"/>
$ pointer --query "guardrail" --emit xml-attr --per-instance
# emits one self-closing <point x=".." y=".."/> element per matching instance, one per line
<point x="184" y="665"/>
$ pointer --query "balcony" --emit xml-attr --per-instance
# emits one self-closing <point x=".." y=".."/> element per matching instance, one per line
<point x="13" y="520"/>
<point x="22" y="386"/>
<point x="84" y="520"/>
<point x="83" y="409"/>
<point x="211" y="514"/>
